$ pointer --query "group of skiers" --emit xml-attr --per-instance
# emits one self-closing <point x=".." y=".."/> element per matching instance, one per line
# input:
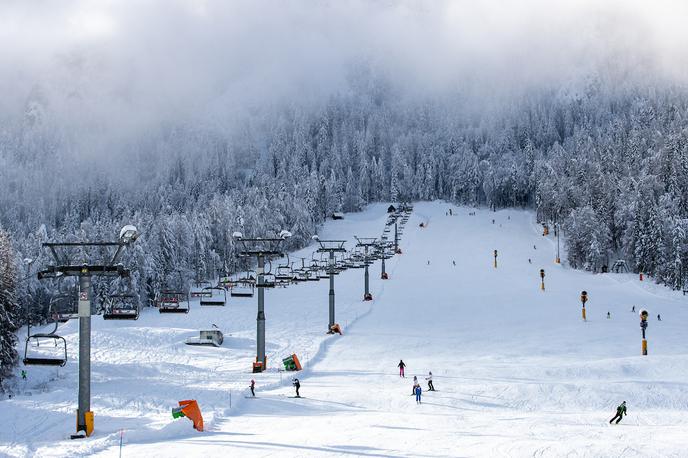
<point x="416" y="389"/>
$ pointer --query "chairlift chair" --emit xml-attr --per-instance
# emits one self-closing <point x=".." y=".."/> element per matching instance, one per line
<point x="269" y="280"/>
<point x="214" y="296"/>
<point x="284" y="275"/>
<point x="172" y="302"/>
<point x="64" y="307"/>
<point x="200" y="289"/>
<point x="121" y="307"/>
<point x="242" y="288"/>
<point x="35" y="355"/>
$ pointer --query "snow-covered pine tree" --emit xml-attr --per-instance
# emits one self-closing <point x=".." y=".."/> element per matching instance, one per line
<point x="8" y="308"/>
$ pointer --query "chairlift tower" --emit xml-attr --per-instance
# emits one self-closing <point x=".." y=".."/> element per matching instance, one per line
<point x="331" y="247"/>
<point x="366" y="243"/>
<point x="68" y="266"/>
<point x="382" y="247"/>
<point x="261" y="249"/>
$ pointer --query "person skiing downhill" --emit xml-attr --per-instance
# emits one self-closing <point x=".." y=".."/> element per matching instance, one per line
<point x="401" y="366"/>
<point x="419" y="390"/>
<point x="659" y="318"/>
<point x="620" y="412"/>
<point x="431" y="387"/>
<point x="253" y="388"/>
<point x="297" y="385"/>
<point x="415" y="384"/>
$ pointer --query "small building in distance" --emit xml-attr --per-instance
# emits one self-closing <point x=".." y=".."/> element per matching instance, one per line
<point x="337" y="215"/>
<point x="391" y="209"/>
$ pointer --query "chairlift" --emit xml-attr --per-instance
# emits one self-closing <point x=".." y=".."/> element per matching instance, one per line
<point x="52" y="352"/>
<point x="121" y="307"/>
<point x="172" y="302"/>
<point x="269" y="280"/>
<point x="243" y="288"/>
<point x="284" y="274"/>
<point x="200" y="289"/>
<point x="214" y="295"/>
<point x="64" y="307"/>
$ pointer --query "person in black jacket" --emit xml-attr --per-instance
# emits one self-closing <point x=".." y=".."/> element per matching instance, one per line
<point x="297" y="385"/>
<point x="401" y="366"/>
<point x="620" y="412"/>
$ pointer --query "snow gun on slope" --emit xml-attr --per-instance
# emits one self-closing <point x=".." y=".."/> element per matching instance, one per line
<point x="190" y="410"/>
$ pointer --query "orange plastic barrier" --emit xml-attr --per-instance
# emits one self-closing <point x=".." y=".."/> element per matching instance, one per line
<point x="191" y="410"/>
<point x="336" y="328"/>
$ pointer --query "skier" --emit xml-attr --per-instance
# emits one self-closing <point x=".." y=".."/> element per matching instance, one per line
<point x="431" y="387"/>
<point x="415" y="384"/>
<point x="659" y="318"/>
<point x="23" y="375"/>
<point x="253" y="388"/>
<point x="401" y="366"/>
<point x="534" y="247"/>
<point x="530" y="261"/>
<point x="418" y="390"/>
<point x="620" y="412"/>
<point x="428" y="262"/>
<point x="450" y="212"/>
<point x="609" y="315"/>
<point x="633" y="309"/>
<point x="454" y="262"/>
<point x="297" y="385"/>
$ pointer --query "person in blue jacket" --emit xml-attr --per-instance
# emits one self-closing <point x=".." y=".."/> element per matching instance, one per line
<point x="419" y="390"/>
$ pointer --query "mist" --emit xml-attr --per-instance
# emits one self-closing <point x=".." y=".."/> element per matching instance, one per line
<point x="136" y="64"/>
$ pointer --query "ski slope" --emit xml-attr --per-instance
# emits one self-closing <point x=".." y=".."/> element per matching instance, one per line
<point x="518" y="372"/>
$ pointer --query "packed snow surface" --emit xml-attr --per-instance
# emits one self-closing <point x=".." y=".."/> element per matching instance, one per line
<point x="517" y="370"/>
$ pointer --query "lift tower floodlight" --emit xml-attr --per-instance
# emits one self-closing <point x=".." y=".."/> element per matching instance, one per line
<point x="366" y="243"/>
<point x="67" y="264"/>
<point x="261" y="248"/>
<point x="331" y="247"/>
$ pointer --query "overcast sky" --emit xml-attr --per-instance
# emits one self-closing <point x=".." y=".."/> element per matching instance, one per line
<point x="145" y="60"/>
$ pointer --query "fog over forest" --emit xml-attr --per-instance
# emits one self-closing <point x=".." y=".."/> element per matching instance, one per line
<point x="193" y="119"/>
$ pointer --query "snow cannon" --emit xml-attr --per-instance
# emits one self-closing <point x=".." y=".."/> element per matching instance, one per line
<point x="584" y="299"/>
<point x="495" y="259"/>
<point x="542" y="279"/>
<point x="190" y="410"/>
<point x="367" y="297"/>
<point x="292" y="363"/>
<point x="643" y="326"/>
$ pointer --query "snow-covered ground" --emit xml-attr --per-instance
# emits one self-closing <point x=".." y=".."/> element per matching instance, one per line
<point x="518" y="372"/>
